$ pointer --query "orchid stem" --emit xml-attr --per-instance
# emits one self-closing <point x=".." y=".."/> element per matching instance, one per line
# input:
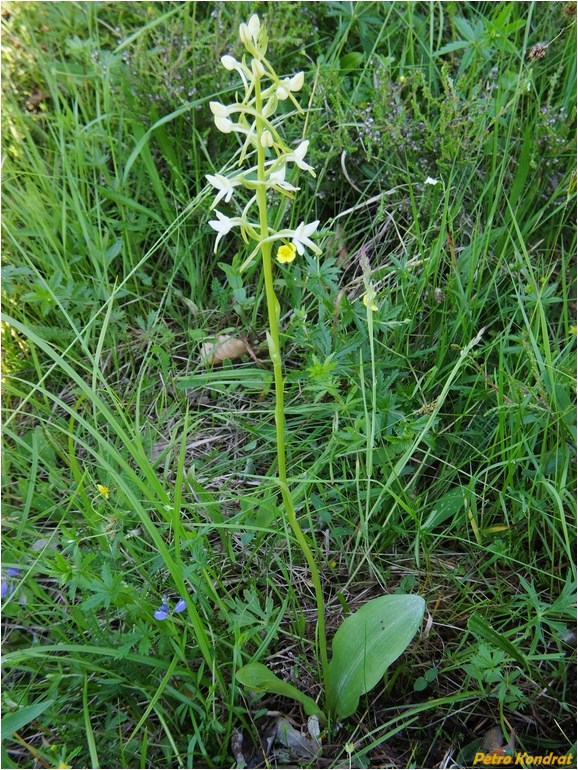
<point x="275" y="353"/>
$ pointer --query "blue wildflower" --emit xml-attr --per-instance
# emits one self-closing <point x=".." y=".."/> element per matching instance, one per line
<point x="180" y="606"/>
<point x="163" y="612"/>
<point x="8" y="587"/>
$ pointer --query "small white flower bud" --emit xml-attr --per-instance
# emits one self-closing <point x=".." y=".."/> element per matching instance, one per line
<point x="254" y="26"/>
<point x="229" y="62"/>
<point x="282" y="93"/>
<point x="249" y="33"/>
<point x="244" y="34"/>
<point x="267" y="139"/>
<point x="258" y="68"/>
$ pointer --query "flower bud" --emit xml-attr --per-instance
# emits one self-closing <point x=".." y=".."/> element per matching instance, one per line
<point x="229" y="62"/>
<point x="267" y="139"/>
<point x="282" y="93"/>
<point x="244" y="35"/>
<point x="254" y="26"/>
<point x="249" y="33"/>
<point x="258" y="68"/>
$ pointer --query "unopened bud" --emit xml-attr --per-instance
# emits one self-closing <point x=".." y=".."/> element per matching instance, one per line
<point x="258" y="68"/>
<point x="267" y="139"/>
<point x="229" y="62"/>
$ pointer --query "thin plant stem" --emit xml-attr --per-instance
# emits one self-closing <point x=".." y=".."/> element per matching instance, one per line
<point x="275" y="353"/>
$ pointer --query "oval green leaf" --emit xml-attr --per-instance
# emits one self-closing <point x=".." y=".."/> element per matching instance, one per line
<point x="366" y="644"/>
<point x="258" y="678"/>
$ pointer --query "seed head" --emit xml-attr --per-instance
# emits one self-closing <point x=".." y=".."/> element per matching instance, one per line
<point x="537" y="51"/>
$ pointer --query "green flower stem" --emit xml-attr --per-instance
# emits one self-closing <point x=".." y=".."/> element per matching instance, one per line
<point x="275" y="353"/>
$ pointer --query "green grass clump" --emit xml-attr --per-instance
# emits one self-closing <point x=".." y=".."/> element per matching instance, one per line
<point x="465" y="381"/>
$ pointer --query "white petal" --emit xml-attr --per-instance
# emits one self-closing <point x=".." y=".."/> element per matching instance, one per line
<point x="431" y="180"/>
<point x="309" y="229"/>
<point x="218" y="109"/>
<point x="296" y="82"/>
<point x="224" y="124"/>
<point x="278" y="176"/>
<point x="254" y="26"/>
<point x="229" y="62"/>
<point x="244" y="34"/>
<point x="301" y="151"/>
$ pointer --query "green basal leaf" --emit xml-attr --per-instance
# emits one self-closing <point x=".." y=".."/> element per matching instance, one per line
<point x="257" y="677"/>
<point x="11" y="723"/>
<point x="366" y="644"/>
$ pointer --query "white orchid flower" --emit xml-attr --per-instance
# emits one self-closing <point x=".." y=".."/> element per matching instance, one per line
<point x="230" y="63"/>
<point x="298" y="155"/>
<point x="277" y="179"/>
<point x="300" y="237"/>
<point x="223" y="225"/>
<point x="290" y="84"/>
<point x="224" y="186"/>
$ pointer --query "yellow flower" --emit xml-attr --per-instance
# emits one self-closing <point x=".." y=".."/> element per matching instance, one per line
<point x="104" y="491"/>
<point x="373" y="306"/>
<point x="574" y="330"/>
<point x="286" y="253"/>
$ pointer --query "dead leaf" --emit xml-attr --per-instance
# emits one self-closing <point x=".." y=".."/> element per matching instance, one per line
<point x="299" y="745"/>
<point x="222" y="347"/>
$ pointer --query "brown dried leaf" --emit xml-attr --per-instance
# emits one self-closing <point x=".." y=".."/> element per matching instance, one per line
<point x="222" y="347"/>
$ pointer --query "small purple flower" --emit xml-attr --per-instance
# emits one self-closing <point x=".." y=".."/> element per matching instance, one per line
<point x="163" y="612"/>
<point x="8" y="587"/>
<point x="180" y="606"/>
